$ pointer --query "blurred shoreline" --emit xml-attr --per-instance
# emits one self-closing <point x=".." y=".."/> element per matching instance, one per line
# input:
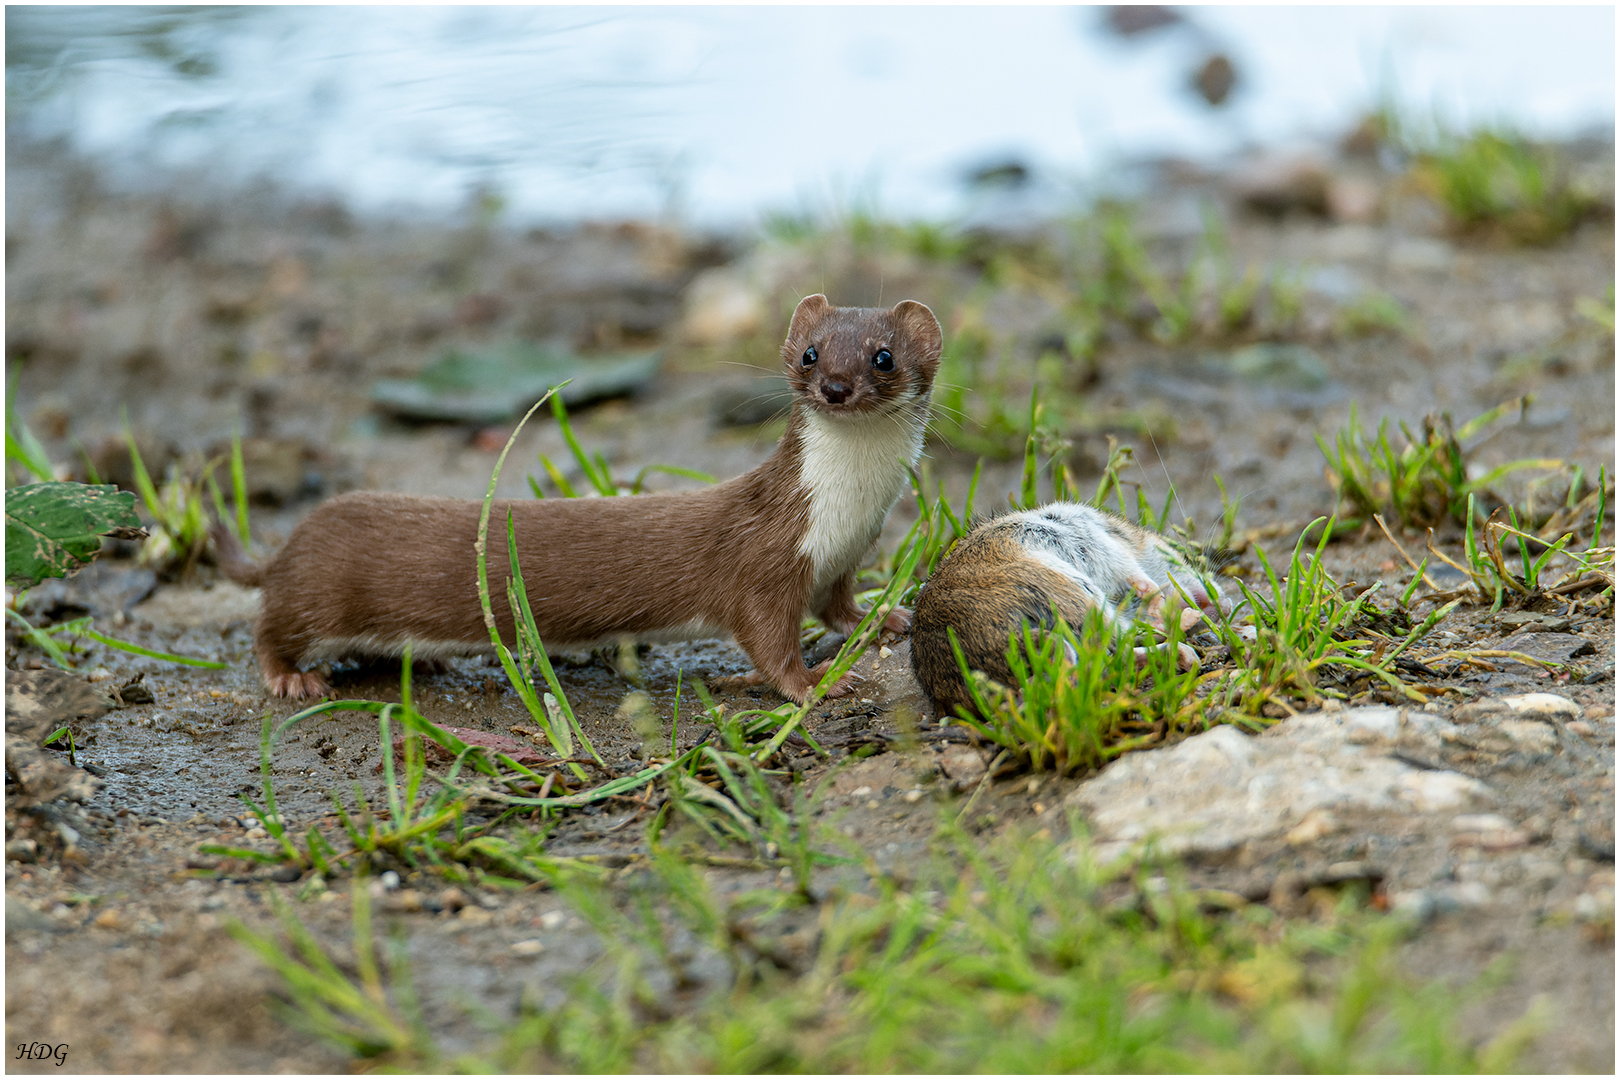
<point x="716" y="118"/>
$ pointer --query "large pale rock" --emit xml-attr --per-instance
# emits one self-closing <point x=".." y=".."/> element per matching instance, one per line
<point x="722" y="306"/>
<point x="1221" y="789"/>
<point x="1547" y="708"/>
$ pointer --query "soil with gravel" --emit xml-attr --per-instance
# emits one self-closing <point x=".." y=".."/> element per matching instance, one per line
<point x="204" y="315"/>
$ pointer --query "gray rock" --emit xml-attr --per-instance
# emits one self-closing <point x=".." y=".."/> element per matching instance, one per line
<point x="1421" y="905"/>
<point x="102" y="589"/>
<point x="1517" y="620"/>
<point x="1422" y="254"/>
<point x="1221" y="789"/>
<point x="22" y="919"/>
<point x="37" y="703"/>
<point x="1548" y="708"/>
<point x="1276" y="184"/>
<point x="1553" y="648"/>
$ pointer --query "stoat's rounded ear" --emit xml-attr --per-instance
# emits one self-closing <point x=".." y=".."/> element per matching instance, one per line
<point x="805" y="316"/>
<point x="920" y="324"/>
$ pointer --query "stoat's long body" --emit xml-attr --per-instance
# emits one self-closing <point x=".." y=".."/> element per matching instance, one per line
<point x="368" y="573"/>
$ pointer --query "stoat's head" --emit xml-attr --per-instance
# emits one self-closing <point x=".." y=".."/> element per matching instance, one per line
<point x="861" y="361"/>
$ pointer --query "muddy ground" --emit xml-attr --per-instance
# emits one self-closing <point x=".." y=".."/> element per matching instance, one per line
<point x="202" y="315"/>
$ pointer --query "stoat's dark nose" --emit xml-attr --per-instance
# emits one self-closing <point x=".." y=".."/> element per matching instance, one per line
<point x="835" y="392"/>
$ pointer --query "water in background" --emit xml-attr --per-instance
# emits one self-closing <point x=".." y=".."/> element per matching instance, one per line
<point x="716" y="115"/>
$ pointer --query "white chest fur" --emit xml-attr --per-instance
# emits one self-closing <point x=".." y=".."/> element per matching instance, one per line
<point x="855" y="469"/>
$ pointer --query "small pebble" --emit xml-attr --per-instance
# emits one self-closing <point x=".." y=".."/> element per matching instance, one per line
<point x="885" y="652"/>
<point x="529" y="947"/>
<point x="474" y="916"/>
<point x="913" y="795"/>
<point x="1480" y="823"/>
<point x="406" y="900"/>
<point x="552" y="919"/>
<point x="111" y="919"/>
<point x="1316" y="824"/>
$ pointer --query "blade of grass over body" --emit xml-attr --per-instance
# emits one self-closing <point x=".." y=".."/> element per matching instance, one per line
<point x="518" y="600"/>
<point x="558" y="736"/>
<point x="865" y="633"/>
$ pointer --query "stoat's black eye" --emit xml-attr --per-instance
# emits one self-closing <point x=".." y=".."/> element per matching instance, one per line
<point x="883" y="360"/>
<point x="809" y="357"/>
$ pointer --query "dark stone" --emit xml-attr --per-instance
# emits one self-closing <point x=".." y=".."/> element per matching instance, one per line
<point x="1006" y="174"/>
<point x="1129" y="20"/>
<point x="1215" y="79"/>
<point x="136" y="692"/>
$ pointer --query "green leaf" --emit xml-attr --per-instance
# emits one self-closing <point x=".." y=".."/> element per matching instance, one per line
<point x="54" y="529"/>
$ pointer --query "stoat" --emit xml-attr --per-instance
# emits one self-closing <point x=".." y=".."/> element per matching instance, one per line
<point x="368" y="573"/>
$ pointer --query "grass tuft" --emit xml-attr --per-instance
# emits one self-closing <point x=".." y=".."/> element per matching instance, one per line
<point x="1427" y="481"/>
<point x="1500" y="184"/>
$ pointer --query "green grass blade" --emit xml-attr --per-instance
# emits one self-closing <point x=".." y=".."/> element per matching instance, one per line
<point x="21" y="445"/>
<point x="558" y="478"/>
<point x="515" y="677"/>
<point x="561" y="738"/>
<point x="140" y="650"/>
<point x="672" y="470"/>
<point x="239" y="490"/>
<point x="601" y="483"/>
<point x="143" y="480"/>
<point x="42" y="638"/>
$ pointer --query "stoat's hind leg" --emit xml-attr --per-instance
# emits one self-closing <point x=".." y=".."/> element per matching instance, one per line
<point x="283" y="679"/>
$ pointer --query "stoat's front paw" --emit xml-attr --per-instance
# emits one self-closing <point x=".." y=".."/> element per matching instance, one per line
<point x="843" y="687"/>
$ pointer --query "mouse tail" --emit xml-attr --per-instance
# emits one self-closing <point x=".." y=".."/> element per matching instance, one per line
<point x="232" y="560"/>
